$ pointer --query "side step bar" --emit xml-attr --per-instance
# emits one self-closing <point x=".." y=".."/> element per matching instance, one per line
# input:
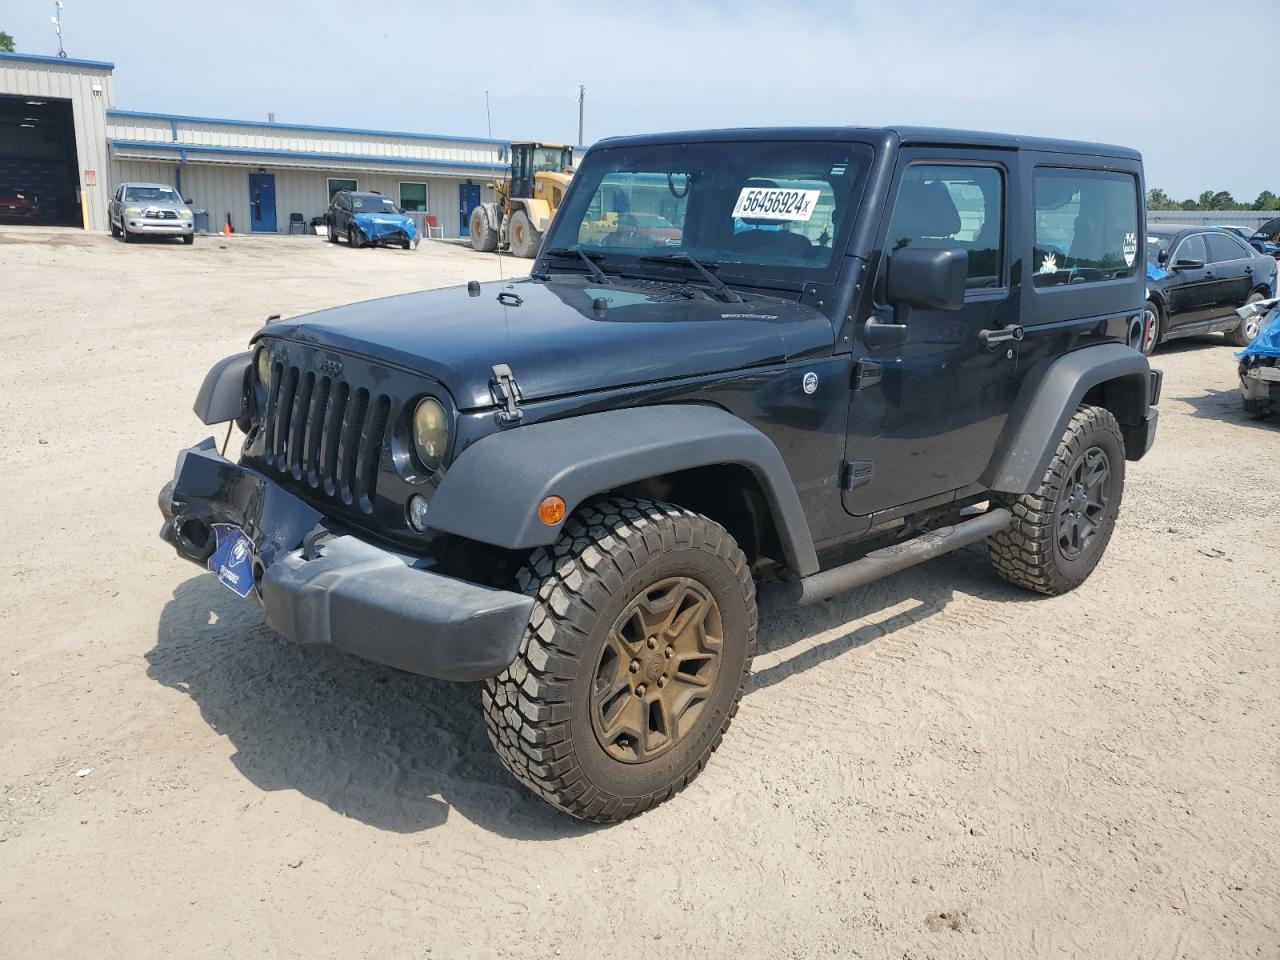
<point x="881" y="563"/>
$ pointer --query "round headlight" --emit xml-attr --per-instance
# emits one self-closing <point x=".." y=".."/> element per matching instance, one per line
<point x="263" y="365"/>
<point x="430" y="431"/>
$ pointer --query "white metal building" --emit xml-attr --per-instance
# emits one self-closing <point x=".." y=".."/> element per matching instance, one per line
<point x="65" y="147"/>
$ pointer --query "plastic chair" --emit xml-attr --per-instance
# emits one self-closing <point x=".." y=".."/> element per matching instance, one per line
<point x="296" y="219"/>
<point x="430" y="224"/>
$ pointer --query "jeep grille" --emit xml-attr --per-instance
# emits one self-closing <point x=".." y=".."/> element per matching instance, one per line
<point x="322" y="431"/>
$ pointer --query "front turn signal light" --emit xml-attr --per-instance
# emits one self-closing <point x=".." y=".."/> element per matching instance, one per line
<point x="551" y="511"/>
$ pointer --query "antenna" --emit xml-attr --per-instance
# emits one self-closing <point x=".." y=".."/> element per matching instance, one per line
<point x="582" y="99"/>
<point x="488" y="117"/>
<point x="56" y="19"/>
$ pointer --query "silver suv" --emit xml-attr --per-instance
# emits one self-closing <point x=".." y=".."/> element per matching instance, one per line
<point x="139" y="209"/>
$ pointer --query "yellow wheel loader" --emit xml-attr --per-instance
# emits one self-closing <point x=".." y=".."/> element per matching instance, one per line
<point x="526" y="200"/>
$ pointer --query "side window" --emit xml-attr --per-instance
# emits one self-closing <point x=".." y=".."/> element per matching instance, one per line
<point x="1086" y="226"/>
<point x="953" y="206"/>
<point x="1223" y="248"/>
<point x="1192" y="248"/>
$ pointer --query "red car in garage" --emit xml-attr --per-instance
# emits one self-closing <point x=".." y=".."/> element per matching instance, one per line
<point x="17" y="207"/>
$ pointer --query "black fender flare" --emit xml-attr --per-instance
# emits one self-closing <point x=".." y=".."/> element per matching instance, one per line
<point x="1041" y="412"/>
<point x="492" y="491"/>
<point x="221" y="397"/>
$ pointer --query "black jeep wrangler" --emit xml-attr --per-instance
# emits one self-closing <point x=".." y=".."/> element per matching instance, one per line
<point x="786" y="361"/>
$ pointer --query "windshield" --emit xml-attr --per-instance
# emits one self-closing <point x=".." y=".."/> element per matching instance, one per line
<point x="373" y="205"/>
<point x="152" y="194"/>
<point x="753" y="209"/>
<point x="1156" y="246"/>
<point x="549" y="159"/>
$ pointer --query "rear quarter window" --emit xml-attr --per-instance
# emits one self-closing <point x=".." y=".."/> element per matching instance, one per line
<point x="1086" y="226"/>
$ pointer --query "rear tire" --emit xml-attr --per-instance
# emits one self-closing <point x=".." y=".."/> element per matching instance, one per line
<point x="523" y="238"/>
<point x="636" y="655"/>
<point x="483" y="237"/>
<point x="333" y="234"/>
<point x="1152" y="328"/>
<point x="1249" y="328"/>
<point x="1060" y="531"/>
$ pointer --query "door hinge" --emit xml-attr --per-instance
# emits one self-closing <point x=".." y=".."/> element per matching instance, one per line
<point x="508" y="392"/>
<point x="856" y="473"/>
<point x="866" y="373"/>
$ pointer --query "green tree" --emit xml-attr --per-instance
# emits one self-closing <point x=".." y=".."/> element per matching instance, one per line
<point x="6" y="42"/>
<point x="1188" y="205"/>
<point x="1157" y="199"/>
<point x="1267" y="201"/>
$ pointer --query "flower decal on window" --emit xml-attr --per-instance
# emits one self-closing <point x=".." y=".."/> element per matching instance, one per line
<point x="1049" y="264"/>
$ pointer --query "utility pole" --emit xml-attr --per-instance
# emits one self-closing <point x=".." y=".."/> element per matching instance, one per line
<point x="582" y="99"/>
<point x="57" y="26"/>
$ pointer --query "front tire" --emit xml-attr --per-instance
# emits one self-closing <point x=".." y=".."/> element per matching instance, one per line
<point x="636" y="655"/>
<point x="188" y="238"/>
<point x="1060" y="531"/>
<point x="483" y="237"/>
<point x="353" y="238"/>
<point x="1249" y="327"/>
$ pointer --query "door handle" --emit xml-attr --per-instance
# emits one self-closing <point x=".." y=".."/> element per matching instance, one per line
<point x="989" y="338"/>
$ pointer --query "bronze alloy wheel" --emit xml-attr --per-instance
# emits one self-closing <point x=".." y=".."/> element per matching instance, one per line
<point x="655" y="670"/>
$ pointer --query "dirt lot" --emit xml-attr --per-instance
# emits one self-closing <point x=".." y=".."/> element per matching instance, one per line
<point x="934" y="766"/>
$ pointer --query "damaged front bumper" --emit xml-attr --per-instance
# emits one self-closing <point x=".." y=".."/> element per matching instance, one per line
<point x="319" y="587"/>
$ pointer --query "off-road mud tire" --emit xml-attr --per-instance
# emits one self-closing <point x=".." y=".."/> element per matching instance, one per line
<point x="538" y="711"/>
<point x="1027" y="553"/>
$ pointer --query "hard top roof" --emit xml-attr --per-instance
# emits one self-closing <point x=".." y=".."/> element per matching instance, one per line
<point x="906" y="135"/>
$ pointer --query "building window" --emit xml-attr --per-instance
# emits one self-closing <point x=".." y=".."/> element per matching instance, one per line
<point x="336" y="185"/>
<point x="413" y="197"/>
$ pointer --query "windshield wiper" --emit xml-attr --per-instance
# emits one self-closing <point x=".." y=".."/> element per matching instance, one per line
<point x="587" y="258"/>
<point x="720" y="287"/>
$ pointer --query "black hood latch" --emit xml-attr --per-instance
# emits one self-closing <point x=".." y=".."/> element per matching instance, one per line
<point x="508" y="393"/>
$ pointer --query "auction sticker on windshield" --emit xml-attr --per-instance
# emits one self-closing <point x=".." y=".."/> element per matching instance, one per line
<point x="776" y="203"/>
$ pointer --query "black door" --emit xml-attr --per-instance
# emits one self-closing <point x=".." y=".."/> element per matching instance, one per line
<point x="1232" y="265"/>
<point x="930" y="423"/>
<point x="1190" y="298"/>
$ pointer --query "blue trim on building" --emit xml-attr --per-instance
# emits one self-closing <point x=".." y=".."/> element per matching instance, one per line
<point x="183" y="149"/>
<point x="175" y="118"/>
<point x="63" y="61"/>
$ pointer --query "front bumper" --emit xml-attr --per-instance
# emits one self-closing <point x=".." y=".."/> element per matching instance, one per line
<point x="321" y="588"/>
<point x="168" y="228"/>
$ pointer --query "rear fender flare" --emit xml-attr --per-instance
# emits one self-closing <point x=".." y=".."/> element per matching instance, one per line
<point x="492" y="491"/>
<point x="1043" y="409"/>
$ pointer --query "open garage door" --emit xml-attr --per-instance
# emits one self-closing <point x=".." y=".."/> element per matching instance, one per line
<point x="39" y="172"/>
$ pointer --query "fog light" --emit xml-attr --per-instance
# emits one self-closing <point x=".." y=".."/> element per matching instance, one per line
<point x="551" y="511"/>
<point x="418" y="513"/>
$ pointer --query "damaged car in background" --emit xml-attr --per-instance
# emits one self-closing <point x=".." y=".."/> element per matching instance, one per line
<point x="1260" y="361"/>
<point x="369" y="219"/>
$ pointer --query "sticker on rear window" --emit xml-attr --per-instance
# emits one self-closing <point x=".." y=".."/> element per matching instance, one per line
<point x="776" y="203"/>
<point x="1130" y="248"/>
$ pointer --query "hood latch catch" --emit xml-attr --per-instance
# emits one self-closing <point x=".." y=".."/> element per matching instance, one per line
<point x="508" y="391"/>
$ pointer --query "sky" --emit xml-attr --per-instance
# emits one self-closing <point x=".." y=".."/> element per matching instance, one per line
<point x="1135" y="72"/>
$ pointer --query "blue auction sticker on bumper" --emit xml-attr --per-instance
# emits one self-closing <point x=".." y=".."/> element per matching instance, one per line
<point x="232" y="558"/>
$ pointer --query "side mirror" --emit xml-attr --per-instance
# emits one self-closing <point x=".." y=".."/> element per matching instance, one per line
<point x="919" y="279"/>
<point x="927" y="280"/>
<point x="187" y="201"/>
<point x="1163" y="257"/>
<point x="1181" y="264"/>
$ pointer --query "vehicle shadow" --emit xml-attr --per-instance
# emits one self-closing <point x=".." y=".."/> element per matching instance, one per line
<point x="390" y="749"/>
<point x="398" y="751"/>
<point x="932" y="586"/>
<point x="1224" y="405"/>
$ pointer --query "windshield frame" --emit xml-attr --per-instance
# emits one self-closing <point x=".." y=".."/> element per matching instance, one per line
<point x="380" y="198"/>
<point x="637" y="262"/>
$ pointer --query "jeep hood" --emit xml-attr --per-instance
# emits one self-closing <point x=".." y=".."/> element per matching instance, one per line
<point x="555" y="342"/>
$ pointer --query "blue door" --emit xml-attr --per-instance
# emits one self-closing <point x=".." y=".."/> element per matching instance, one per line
<point x="468" y="200"/>
<point x="262" y="202"/>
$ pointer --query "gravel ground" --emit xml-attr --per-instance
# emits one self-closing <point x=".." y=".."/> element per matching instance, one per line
<point x="934" y="766"/>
